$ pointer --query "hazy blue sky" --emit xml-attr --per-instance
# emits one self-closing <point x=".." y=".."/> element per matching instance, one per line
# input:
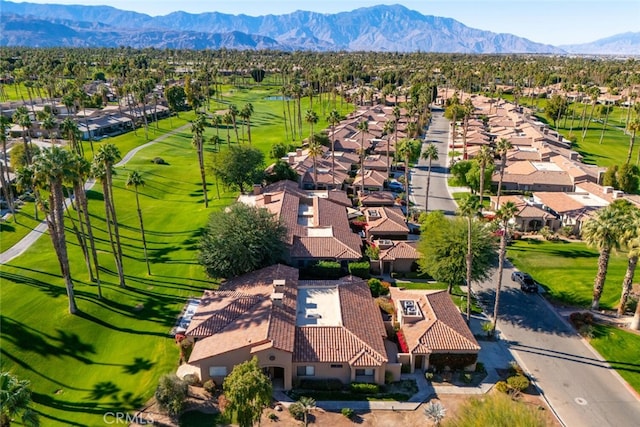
<point x="545" y="21"/>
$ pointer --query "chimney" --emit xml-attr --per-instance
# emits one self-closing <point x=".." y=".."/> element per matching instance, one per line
<point x="573" y="156"/>
<point x="276" y="299"/>
<point x="257" y="189"/>
<point x="266" y="199"/>
<point x="617" y="194"/>
<point x="278" y="285"/>
<point x="292" y="159"/>
<point x="298" y="152"/>
<point x="607" y="190"/>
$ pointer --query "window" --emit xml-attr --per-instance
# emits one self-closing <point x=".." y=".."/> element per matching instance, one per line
<point x="336" y="366"/>
<point x="217" y="371"/>
<point x="363" y="372"/>
<point x="306" y="371"/>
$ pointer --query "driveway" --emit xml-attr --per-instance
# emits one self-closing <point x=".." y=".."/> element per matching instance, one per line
<point x="580" y="386"/>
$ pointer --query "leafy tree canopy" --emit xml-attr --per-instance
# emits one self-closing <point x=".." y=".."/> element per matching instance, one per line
<point x="171" y="393"/>
<point x="443" y="246"/>
<point x="239" y="166"/>
<point x="281" y="171"/>
<point x="241" y="239"/>
<point x="248" y="392"/>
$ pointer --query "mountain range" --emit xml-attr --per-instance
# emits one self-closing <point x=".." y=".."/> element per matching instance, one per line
<point x="379" y="28"/>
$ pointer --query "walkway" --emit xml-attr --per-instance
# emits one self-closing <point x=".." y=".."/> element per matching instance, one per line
<point x="28" y="240"/>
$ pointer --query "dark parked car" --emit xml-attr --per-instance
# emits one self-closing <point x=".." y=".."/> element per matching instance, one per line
<point x="527" y="284"/>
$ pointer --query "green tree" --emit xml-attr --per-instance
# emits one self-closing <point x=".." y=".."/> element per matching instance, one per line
<point x="307" y="404"/>
<point x="610" y="177"/>
<point x="628" y="178"/>
<point x="248" y="392"/>
<point x="176" y="98"/>
<point x="315" y="151"/>
<point x="334" y="118"/>
<point x="246" y="113"/>
<point x="630" y="239"/>
<point x="460" y="170"/>
<point x="409" y="151"/>
<point x="171" y="393"/>
<point x="603" y="231"/>
<point x="443" y="249"/>
<point x="504" y="214"/>
<point x="234" y="112"/>
<point x="239" y="166"/>
<point x="430" y="154"/>
<point x="281" y="171"/>
<point x="135" y="180"/>
<point x="50" y="169"/>
<point x="15" y="398"/>
<point x="468" y="207"/>
<point x="70" y="131"/>
<point x="485" y="161"/>
<point x="633" y="127"/>
<point x="22" y="117"/>
<point x="241" y="239"/>
<point x="556" y="108"/>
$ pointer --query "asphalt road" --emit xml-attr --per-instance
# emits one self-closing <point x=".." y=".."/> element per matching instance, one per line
<point x="439" y="197"/>
<point x="579" y="385"/>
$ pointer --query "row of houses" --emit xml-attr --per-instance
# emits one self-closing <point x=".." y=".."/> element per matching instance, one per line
<point x="554" y="187"/>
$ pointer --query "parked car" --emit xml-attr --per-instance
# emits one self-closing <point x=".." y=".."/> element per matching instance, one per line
<point x="527" y="284"/>
<point x="395" y="186"/>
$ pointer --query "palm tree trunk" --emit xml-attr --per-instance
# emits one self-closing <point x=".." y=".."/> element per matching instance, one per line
<point x="604" y="125"/>
<point x="115" y="238"/>
<point x="426" y="194"/>
<point x="80" y="236"/>
<point x="598" y="285"/>
<point x="469" y="266"/>
<point x="503" y="164"/>
<point x="144" y="240"/>
<point x="635" y="322"/>
<point x="82" y="201"/>
<point x="501" y="255"/>
<point x="481" y="189"/>
<point x="586" y="127"/>
<point x="202" y="174"/>
<point x="627" y="283"/>
<point x="56" y="224"/>
<point x="406" y="183"/>
<point x="249" y="129"/>
<point x="631" y="144"/>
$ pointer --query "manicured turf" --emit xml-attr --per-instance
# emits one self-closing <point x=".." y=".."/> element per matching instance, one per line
<point x="567" y="270"/>
<point x="109" y="357"/>
<point x="11" y="232"/>
<point x="621" y="349"/>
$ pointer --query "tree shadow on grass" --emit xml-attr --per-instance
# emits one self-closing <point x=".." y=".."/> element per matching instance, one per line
<point x="139" y="364"/>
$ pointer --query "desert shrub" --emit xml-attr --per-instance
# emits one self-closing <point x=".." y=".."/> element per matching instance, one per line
<point x="518" y="382"/>
<point x="631" y="305"/>
<point x="209" y="386"/>
<point x="497" y="410"/>
<point x="581" y="318"/>
<point x="272" y="416"/>
<point x="159" y="161"/>
<point x="502" y="386"/>
<point x="360" y="269"/>
<point x="348" y="412"/>
<point x="297" y="411"/>
<point x="566" y="231"/>
<point x="171" y="393"/>
<point x="587" y="331"/>
<point x="386" y="305"/>
<point x="452" y="360"/>
<point x="364" y="388"/>
<point x="515" y="369"/>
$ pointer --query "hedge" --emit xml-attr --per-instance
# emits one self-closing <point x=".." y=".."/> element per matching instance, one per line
<point x="452" y="360"/>
<point x="360" y="269"/>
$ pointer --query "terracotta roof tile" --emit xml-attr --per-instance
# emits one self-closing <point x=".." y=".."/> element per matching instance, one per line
<point x="400" y="250"/>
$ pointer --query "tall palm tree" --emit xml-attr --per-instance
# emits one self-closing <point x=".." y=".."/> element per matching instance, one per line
<point x="603" y="231"/>
<point x="467" y="111"/>
<point x="6" y="177"/>
<point x="80" y="171"/>
<point x="333" y="119"/>
<point x="502" y="147"/>
<point x="105" y="158"/>
<point x="216" y="121"/>
<point x="430" y="154"/>
<point x="227" y="120"/>
<point x="50" y="169"/>
<point x="594" y="92"/>
<point x="15" y="397"/>
<point x="389" y="127"/>
<point x="630" y="237"/>
<point x="197" y="130"/>
<point x="22" y="118"/>
<point x="634" y="126"/>
<point x="468" y="207"/>
<point x="48" y="124"/>
<point x="363" y="127"/>
<point x="70" y="131"/>
<point x="247" y="112"/>
<point x="24" y="182"/>
<point x="233" y="111"/>
<point x="315" y="151"/>
<point x="135" y="180"/>
<point x="484" y="159"/>
<point x="503" y="215"/>
<point x="409" y="150"/>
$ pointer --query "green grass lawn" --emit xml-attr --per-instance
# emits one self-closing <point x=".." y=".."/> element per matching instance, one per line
<point x="457" y="196"/>
<point x="110" y="356"/>
<point x="567" y="270"/>
<point x="11" y="231"/>
<point x="621" y="349"/>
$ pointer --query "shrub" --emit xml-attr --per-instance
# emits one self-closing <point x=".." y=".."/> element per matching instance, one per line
<point x="360" y="269"/>
<point x="325" y="270"/>
<point x="515" y="369"/>
<point x="348" y="412"/>
<point x="453" y="361"/>
<point x="375" y="286"/>
<point x="159" y="161"/>
<point x="272" y="416"/>
<point x="171" y="393"/>
<point x="386" y="305"/>
<point x="297" y="411"/>
<point x="191" y="379"/>
<point x="587" y="331"/>
<point x="402" y="342"/>
<point x="429" y="376"/>
<point x="480" y="367"/>
<point x="365" y="388"/>
<point x="209" y="386"/>
<point x="328" y="384"/>
<point x="518" y="382"/>
<point x="467" y="378"/>
<point x="388" y="377"/>
<point x="372" y="251"/>
<point x="502" y="386"/>
<point x="581" y="318"/>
